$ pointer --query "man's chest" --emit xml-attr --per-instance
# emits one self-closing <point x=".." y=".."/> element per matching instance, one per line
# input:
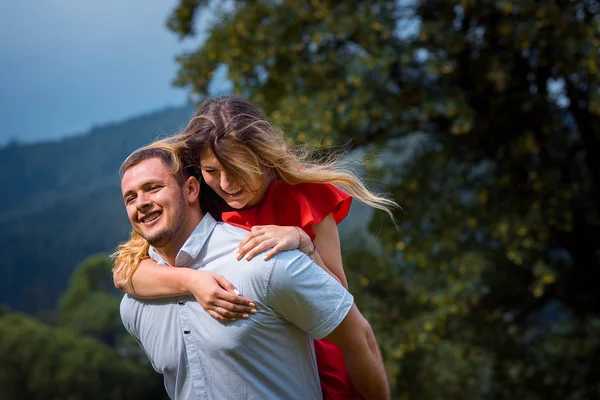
<point x="174" y="333"/>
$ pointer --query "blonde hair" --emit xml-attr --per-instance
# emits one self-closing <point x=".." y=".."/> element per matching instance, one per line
<point x="237" y="133"/>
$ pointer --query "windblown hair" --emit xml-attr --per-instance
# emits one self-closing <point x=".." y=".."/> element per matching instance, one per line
<point x="237" y="133"/>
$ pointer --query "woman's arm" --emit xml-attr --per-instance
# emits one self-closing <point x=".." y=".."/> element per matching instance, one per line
<point x="216" y="295"/>
<point x="325" y="251"/>
<point x="328" y="249"/>
<point x="152" y="281"/>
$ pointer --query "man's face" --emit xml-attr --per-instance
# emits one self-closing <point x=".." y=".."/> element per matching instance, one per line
<point x="154" y="201"/>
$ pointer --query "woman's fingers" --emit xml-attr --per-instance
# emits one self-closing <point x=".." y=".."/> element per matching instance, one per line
<point x="265" y="237"/>
<point x="217" y="316"/>
<point x="236" y="308"/>
<point x="260" y="247"/>
<point x="272" y="253"/>
<point x="227" y="306"/>
<point x="229" y="310"/>
<point x="234" y="298"/>
<point x="225" y="284"/>
<point x="222" y="314"/>
<point x="284" y="238"/>
<point x="228" y="314"/>
<point x="220" y="296"/>
<point x="249" y="245"/>
<point x="258" y="228"/>
<point x="255" y="232"/>
<point x="234" y="303"/>
<point x="248" y="237"/>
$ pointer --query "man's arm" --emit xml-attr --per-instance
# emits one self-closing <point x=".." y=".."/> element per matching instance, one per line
<point x="311" y="299"/>
<point x="361" y="353"/>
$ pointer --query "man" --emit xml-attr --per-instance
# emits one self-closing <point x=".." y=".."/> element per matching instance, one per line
<point x="270" y="355"/>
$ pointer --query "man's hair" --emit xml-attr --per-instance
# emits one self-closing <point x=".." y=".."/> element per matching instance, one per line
<point x="174" y="158"/>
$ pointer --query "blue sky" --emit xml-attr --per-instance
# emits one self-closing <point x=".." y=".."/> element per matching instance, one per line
<point x="66" y="65"/>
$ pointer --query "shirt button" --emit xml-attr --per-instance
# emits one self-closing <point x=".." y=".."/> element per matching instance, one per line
<point x="187" y="332"/>
<point x="181" y="303"/>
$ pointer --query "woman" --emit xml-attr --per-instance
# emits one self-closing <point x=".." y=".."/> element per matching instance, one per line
<point x="253" y="180"/>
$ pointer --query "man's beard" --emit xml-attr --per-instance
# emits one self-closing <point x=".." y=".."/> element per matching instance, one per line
<point x="167" y="234"/>
<point x="162" y="238"/>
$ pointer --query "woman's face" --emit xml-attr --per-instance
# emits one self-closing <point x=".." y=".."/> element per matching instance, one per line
<point x="227" y="188"/>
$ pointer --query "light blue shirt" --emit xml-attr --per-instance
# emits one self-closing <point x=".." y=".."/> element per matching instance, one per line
<point x="270" y="355"/>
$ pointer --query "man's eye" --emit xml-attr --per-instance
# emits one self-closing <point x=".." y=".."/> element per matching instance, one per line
<point x="154" y="188"/>
<point x="128" y="200"/>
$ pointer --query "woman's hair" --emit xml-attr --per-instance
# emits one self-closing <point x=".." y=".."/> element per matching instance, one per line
<point x="237" y="133"/>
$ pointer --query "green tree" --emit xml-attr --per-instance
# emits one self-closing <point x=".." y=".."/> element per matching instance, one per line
<point x="489" y="286"/>
<point x="91" y="303"/>
<point x="40" y="362"/>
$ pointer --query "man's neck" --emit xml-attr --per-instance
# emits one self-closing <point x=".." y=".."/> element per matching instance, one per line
<point x="170" y="251"/>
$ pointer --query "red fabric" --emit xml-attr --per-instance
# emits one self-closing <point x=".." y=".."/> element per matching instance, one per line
<point x="305" y="205"/>
<point x="302" y="205"/>
<point x="335" y="380"/>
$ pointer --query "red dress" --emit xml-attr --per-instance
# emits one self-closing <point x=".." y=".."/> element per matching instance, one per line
<point x="305" y="205"/>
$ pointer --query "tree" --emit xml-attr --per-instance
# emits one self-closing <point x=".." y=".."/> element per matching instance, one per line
<point x="494" y="107"/>
<point x="91" y="303"/>
<point x="42" y="362"/>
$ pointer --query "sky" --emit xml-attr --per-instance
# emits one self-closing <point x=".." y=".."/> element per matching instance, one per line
<point x="68" y="65"/>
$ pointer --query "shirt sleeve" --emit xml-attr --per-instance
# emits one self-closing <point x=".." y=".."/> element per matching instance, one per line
<point x="127" y="316"/>
<point x="305" y="295"/>
<point x="316" y="201"/>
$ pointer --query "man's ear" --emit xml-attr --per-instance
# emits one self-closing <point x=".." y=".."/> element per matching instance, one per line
<point x="191" y="189"/>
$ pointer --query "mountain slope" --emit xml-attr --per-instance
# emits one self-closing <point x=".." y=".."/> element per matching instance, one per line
<point x="61" y="202"/>
<point x="51" y="170"/>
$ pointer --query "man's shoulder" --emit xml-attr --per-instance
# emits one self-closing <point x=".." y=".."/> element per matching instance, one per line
<point x="128" y="310"/>
<point x="291" y="256"/>
<point x="230" y="231"/>
<point x="287" y="260"/>
<point x="287" y="264"/>
<point x="129" y="302"/>
<point x="225" y="238"/>
<point x="129" y="306"/>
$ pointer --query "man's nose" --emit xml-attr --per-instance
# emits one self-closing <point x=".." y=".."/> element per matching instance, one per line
<point x="142" y="202"/>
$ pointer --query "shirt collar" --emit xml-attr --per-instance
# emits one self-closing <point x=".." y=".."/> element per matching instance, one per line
<point x="193" y="245"/>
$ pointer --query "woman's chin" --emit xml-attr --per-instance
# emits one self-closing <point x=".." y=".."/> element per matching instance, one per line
<point x="236" y="204"/>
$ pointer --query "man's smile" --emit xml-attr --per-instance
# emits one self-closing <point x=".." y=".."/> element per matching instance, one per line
<point x="148" y="219"/>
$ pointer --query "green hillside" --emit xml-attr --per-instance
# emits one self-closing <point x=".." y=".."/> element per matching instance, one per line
<point x="61" y="203"/>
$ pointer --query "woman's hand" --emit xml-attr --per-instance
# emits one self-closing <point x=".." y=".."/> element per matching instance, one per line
<point x="219" y="297"/>
<point x="274" y="237"/>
